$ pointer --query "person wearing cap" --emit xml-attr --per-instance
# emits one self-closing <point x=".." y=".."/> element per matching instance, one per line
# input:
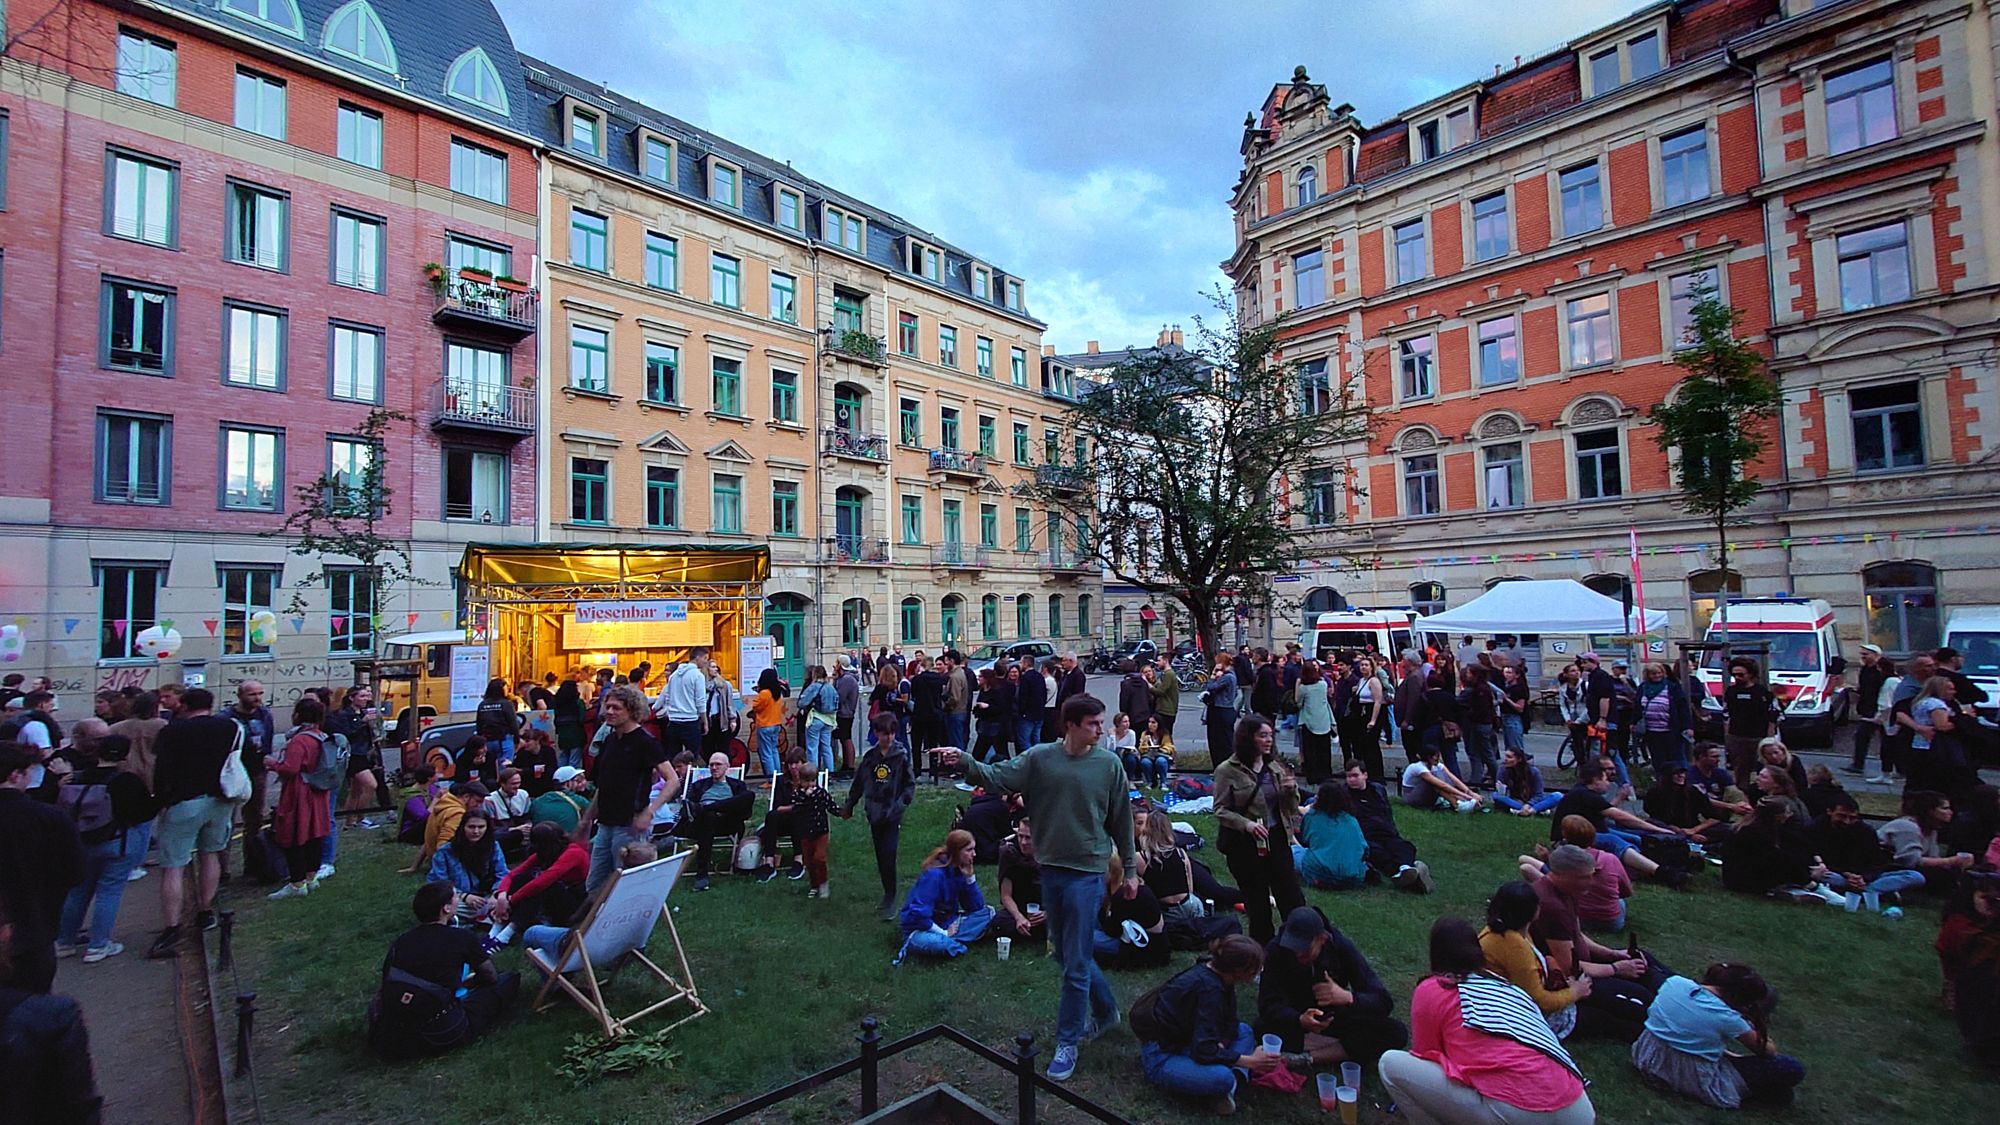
<point x="1874" y="676"/>
<point x="565" y="803"/>
<point x="1319" y="995"/>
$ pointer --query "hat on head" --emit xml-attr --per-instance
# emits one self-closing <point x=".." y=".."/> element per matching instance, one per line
<point x="1876" y="649"/>
<point x="1302" y="926"/>
<point x="1590" y="656"/>
<point x="565" y="773"/>
<point x="1620" y="662"/>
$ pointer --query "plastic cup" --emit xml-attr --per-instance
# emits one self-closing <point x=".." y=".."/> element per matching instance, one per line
<point x="1005" y="946"/>
<point x="1852" y="902"/>
<point x="1349" y="1100"/>
<point x="1273" y="1045"/>
<point x="1350" y="1074"/>
<point x="1329" y="1092"/>
<point x="1872" y="901"/>
<point x="1032" y="908"/>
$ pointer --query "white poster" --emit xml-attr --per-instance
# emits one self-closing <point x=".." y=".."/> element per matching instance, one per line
<point x="470" y="669"/>
<point x="625" y="921"/>
<point x="753" y="655"/>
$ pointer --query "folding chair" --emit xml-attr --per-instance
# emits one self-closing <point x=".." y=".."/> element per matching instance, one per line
<point x="615" y="933"/>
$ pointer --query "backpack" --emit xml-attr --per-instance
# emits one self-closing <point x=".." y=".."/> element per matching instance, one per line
<point x="88" y="804"/>
<point x="412" y="1017"/>
<point x="1147" y="1022"/>
<point x="333" y="755"/>
<point x="1193" y="788"/>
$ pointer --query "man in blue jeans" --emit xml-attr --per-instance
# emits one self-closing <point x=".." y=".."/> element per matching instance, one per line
<point x="627" y="761"/>
<point x="1081" y="802"/>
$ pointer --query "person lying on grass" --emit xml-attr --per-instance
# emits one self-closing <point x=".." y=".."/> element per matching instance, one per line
<point x="945" y="911"/>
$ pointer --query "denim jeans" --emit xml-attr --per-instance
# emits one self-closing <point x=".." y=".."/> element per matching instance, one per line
<point x="767" y="749"/>
<point x="1615" y="841"/>
<point x="1512" y="732"/>
<point x="1180" y="1074"/>
<point x="1543" y="803"/>
<point x="1027" y="734"/>
<point x="954" y="730"/>
<point x="1147" y="769"/>
<point x="1072" y="900"/>
<point x="604" y="845"/>
<point x="570" y="757"/>
<point x="819" y="745"/>
<point x="1891" y="882"/>
<point x="332" y="827"/>
<point x="935" y="942"/>
<point x="547" y="939"/>
<point x="1770" y="1078"/>
<point x="505" y="750"/>
<point x="106" y="866"/>
<point x="1482" y="755"/>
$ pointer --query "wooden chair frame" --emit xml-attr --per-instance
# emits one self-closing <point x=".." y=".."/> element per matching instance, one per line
<point x="591" y="997"/>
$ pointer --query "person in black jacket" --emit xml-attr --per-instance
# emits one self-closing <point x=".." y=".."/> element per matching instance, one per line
<point x="40" y="860"/>
<point x="1031" y="698"/>
<point x="1190" y="1041"/>
<point x="45" y="1073"/>
<point x="1770" y="853"/>
<point x="720" y="806"/>
<point x="1320" y="996"/>
<point x="927" y="688"/>
<point x="1267" y="688"/>
<point x="428" y="1003"/>
<point x="993" y="717"/>
<point x="990" y="818"/>
<point x="887" y="783"/>
<point x="1135" y="696"/>
<point x="1392" y="857"/>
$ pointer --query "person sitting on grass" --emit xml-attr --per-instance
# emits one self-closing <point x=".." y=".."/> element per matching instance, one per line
<point x="1183" y="885"/>
<point x="549" y="886"/>
<point x="1776" y="781"/>
<point x="1820" y="792"/>
<point x="1427" y="784"/>
<point x="1020" y="916"/>
<point x="1675" y="802"/>
<point x="945" y="911"/>
<point x="1772" y="752"/>
<point x="1511" y="953"/>
<point x="1190" y="1040"/>
<point x="718" y="805"/>
<point x="1148" y="762"/>
<point x="990" y="818"/>
<point x="509" y="806"/>
<point x="1772" y="855"/>
<point x="535" y="757"/>
<point x="565" y="803"/>
<point x="1389" y="854"/>
<point x="442" y="823"/>
<point x="1131" y="932"/>
<point x="547" y="938"/>
<point x="420" y="794"/>
<point x="1322" y="998"/>
<point x="1857" y="864"/>
<point x="1600" y="908"/>
<point x="1968" y="949"/>
<point x="1521" y="791"/>
<point x="1624" y="984"/>
<point x="1618" y="831"/>
<point x="1912" y="840"/>
<point x="1689" y="1032"/>
<point x="1122" y="740"/>
<point x="1333" y="853"/>
<point x="428" y="1003"/>
<point x="472" y="863"/>
<point x="1479" y="1049"/>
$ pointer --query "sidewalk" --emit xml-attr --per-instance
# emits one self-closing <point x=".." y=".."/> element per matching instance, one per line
<point x="136" y="1045"/>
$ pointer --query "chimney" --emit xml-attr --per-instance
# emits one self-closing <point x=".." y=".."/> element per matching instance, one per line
<point x="1177" y="337"/>
<point x="1048" y="349"/>
<point x="1091" y="347"/>
<point x="1165" y="337"/>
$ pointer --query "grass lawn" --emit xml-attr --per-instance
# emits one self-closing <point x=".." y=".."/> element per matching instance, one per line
<point x="788" y="980"/>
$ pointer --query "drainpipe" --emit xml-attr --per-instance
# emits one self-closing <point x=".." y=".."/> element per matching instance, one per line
<point x="815" y="475"/>
<point x="544" y="440"/>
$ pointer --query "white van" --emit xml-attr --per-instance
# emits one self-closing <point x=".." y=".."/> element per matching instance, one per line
<point x="1387" y="631"/>
<point x="1975" y="633"/>
<point x="1798" y="643"/>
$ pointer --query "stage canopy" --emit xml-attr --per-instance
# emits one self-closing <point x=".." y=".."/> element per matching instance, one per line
<point x="1561" y="606"/>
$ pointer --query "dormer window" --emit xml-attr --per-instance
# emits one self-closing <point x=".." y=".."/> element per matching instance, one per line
<point x="656" y="157"/>
<point x="1014" y="295"/>
<point x="472" y="78"/>
<point x="1607" y="66"/>
<point x="586" y="132"/>
<point x="843" y="228"/>
<point x="1308" y="186"/>
<point x="279" y="15"/>
<point x="926" y="262"/>
<point x="1435" y="136"/>
<point x="725" y="183"/>
<point x="356" y="32"/>
<point x="789" y="208"/>
<point x="982" y="283"/>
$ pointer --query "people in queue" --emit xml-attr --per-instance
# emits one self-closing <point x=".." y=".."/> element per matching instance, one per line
<point x="110" y="808"/>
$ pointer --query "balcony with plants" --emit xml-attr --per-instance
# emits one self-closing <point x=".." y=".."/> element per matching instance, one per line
<point x="470" y="298"/>
<point x="858" y="445"/>
<point x="856" y="345"/>
<point x="478" y="407"/>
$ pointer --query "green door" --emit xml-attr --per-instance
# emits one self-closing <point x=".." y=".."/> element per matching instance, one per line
<point x="785" y="623"/>
<point x="952" y="637"/>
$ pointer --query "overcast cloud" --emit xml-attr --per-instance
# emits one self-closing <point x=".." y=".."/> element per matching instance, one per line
<point x="1088" y="146"/>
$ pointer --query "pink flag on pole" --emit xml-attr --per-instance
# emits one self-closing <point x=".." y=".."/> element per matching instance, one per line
<point x="1638" y="582"/>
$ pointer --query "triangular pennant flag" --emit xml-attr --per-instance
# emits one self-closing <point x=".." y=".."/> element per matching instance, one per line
<point x="70" y="624"/>
<point x="167" y="623"/>
<point x="339" y="622"/>
<point x="119" y="626"/>
<point x="444" y="615"/>
<point x="413" y="621"/>
<point x="298" y="625"/>
<point x="210" y="622"/>
<point x="21" y="620"/>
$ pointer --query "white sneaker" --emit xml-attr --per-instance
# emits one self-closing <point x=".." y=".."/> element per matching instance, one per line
<point x="290" y="890"/>
<point x="137" y="874"/>
<point x="1880" y="779"/>
<point x="325" y="872"/>
<point x="1830" y="895"/>
<point x="98" y="953"/>
<point x="64" y="949"/>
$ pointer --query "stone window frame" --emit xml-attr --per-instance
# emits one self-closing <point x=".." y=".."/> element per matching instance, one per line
<point x="1902" y="54"/>
<point x="1581" y="417"/>
<point x="1906" y="198"/>
<point x="1489" y="430"/>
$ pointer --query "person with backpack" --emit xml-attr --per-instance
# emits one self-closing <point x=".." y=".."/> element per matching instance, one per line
<point x="302" y="820"/>
<point x="112" y="810"/>
<point x="200" y="776"/>
<point x="30" y="723"/>
<point x="429" y="1002"/>
<point x="1190" y="1039"/>
<point x="496" y="721"/>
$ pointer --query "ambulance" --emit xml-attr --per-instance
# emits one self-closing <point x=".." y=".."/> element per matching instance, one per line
<point x="1794" y="641"/>
<point x="1387" y="631"/>
<point x="1974" y="632"/>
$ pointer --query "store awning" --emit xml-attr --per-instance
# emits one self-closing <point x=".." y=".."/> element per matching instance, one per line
<point x="611" y="568"/>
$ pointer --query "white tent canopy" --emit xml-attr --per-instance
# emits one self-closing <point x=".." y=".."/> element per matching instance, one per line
<point x="1560" y="605"/>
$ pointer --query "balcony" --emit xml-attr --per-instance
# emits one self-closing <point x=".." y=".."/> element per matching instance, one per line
<point x="470" y="406"/>
<point x="485" y="306"/>
<point x="854" y="344"/>
<point x="1062" y="478"/>
<point x="854" y="444"/>
<point x="959" y="556"/>
<point x="1065" y="561"/>
<point x="958" y="463"/>
<point x="856" y="551"/>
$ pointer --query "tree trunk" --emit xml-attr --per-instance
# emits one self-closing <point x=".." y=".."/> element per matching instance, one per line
<point x="1722" y="550"/>
<point x="1201" y="611"/>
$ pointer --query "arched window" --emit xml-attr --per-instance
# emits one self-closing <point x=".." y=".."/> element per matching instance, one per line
<point x="1024" y="616"/>
<point x="950" y="628"/>
<point x="473" y="79"/>
<point x="989" y="617"/>
<point x="1902" y="603"/>
<point x="356" y="32"/>
<point x="1613" y="586"/>
<point x="279" y="15"/>
<point x="1308" y="186"/>
<point x="911" y="621"/>
<point x="1427" y="598"/>
<point x="1055" y="615"/>
<point x="854" y="622"/>
<point x="786" y="603"/>
<point x="1323" y="599"/>
<point x="1117" y="623"/>
<point x="1085" y="624"/>
<point x="1706" y="590"/>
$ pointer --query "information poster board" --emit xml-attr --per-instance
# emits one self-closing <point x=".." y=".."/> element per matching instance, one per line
<point x="471" y="667"/>
<point x="754" y="654"/>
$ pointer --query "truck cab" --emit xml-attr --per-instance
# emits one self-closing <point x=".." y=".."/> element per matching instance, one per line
<point x="413" y="681"/>
<point x="1793" y="640"/>
<point x="1974" y="632"/>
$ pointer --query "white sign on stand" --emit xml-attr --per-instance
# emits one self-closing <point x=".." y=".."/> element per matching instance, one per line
<point x="471" y="667"/>
<point x="753" y="655"/>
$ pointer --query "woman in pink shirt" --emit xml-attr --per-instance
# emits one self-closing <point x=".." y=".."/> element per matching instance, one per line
<point x="1479" y="1048"/>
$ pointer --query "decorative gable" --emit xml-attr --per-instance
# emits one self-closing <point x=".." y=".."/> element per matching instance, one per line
<point x="728" y="451"/>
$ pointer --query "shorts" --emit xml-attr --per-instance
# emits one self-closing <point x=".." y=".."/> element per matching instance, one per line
<point x="201" y="824"/>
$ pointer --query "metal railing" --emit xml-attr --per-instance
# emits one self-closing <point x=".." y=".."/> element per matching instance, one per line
<point x="1068" y="477"/>
<point x="854" y="443"/>
<point x="958" y="462"/>
<point x="487" y="301"/>
<point x="856" y="344"/>
<point x="960" y="555"/>
<point x="854" y="549"/>
<point x="468" y="402"/>
<point x="1063" y="558"/>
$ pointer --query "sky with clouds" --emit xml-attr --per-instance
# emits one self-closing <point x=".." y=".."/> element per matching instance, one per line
<point x="1087" y="145"/>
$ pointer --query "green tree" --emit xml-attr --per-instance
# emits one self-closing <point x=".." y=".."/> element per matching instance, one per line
<point x="1718" y="421"/>
<point x="1197" y="462"/>
<point x="343" y="517"/>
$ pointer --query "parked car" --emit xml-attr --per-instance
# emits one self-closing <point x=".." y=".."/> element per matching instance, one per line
<point x="986" y="656"/>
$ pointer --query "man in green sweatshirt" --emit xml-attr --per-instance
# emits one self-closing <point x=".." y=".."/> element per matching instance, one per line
<point x="1081" y="802"/>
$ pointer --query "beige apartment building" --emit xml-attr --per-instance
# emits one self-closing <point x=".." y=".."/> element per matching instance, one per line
<point x="735" y="353"/>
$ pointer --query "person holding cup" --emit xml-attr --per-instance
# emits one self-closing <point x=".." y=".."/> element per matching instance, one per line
<point x="1190" y="1041"/>
<point x="1020" y="916"/>
<point x="1320" y="997"/>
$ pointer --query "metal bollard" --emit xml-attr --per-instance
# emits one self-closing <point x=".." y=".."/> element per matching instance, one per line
<point x="1024" y="1077"/>
<point x="225" y="945"/>
<point x="871" y="1040"/>
<point x="246" y="1015"/>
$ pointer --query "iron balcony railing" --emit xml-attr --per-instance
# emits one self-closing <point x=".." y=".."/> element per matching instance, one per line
<point x="472" y="404"/>
<point x="488" y="303"/>
<point x="957" y="462"/>
<point x="855" y="549"/>
<point x="853" y="343"/>
<point x="961" y="555"/>
<point x="856" y="444"/>
<point x="1063" y="558"/>
<point x="1068" y="478"/>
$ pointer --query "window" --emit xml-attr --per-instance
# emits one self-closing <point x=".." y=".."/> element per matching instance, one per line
<point x="590" y="359"/>
<point x="350" y="462"/>
<point x="475" y="486"/>
<point x="1308" y="186"/>
<point x="1622" y="63"/>
<point x="663" y="262"/>
<point x="790" y="210"/>
<point x="726" y="385"/>
<point x="138" y="328"/>
<point x="479" y="374"/>
<point x="1427" y="598"/>
<point x="127" y="605"/>
<point x="1684" y="166"/>
<point x="143" y="204"/>
<point x="784" y="507"/>
<point x="906" y="333"/>
<point x="246" y="592"/>
<point x="589" y="490"/>
<point x="1582" y="199"/>
<point x="723" y="185"/>
<point x="784" y="298"/>
<point x="358" y="136"/>
<point x="726" y="511"/>
<point x="982" y="283"/>
<point x="586" y="132"/>
<point x="1604" y="71"/>
<point x="909" y="422"/>
<point x="842" y="229"/>
<point x="1018" y="358"/>
<point x="1020" y="443"/>
<point x="255" y="348"/>
<point x="1683" y="290"/>
<point x="1409" y="239"/>
<point x="1598" y="474"/>
<point x="147" y="67"/>
<point x="589" y="238"/>
<point x="257" y="222"/>
<point x="1590" y="330"/>
<point x="1506" y="480"/>
<point x="1322" y="497"/>
<point x="1024" y="616"/>
<point x="784" y="396"/>
<point x="1861" y="106"/>
<point x="1499" y="353"/>
<point x="1428" y="142"/>
<point x="1642" y="55"/>
<point x="260" y="104"/>
<point x="252" y="469"/>
<point x="1414" y="361"/>
<point x="930" y="261"/>
<point x="1315" y="387"/>
<point x="1421" y="493"/>
<point x="459" y="253"/>
<point x="1055" y="615"/>
<point x="663" y="373"/>
<point x="356" y="359"/>
<point x="356" y="32"/>
<point x="351" y="609"/>
<point x="725" y="280"/>
<point x="989" y="617"/>
<point x="134" y="458"/>
<point x="948" y="426"/>
<point x="854" y="622"/>
<point x="1024" y="530"/>
<point x="1309" y="278"/>
<point x="1489" y="227"/>
<point x="1902" y="605"/>
<point x="663" y="497"/>
<point x="473" y="79"/>
<point x="982" y="357"/>
<point x="912" y="518"/>
<point x="357" y="251"/>
<point x="988" y="440"/>
<point x="478" y="172"/>
<point x="953" y="512"/>
<point x="989" y="525"/>
<point x="282" y="15"/>
<point x="1874" y="266"/>
<point x="1014" y="295"/>
<point x="657" y="160"/>
<point x="1888" y="427"/>
<point x="947" y="345"/>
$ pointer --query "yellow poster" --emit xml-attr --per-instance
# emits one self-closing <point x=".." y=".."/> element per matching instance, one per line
<point x="614" y="636"/>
